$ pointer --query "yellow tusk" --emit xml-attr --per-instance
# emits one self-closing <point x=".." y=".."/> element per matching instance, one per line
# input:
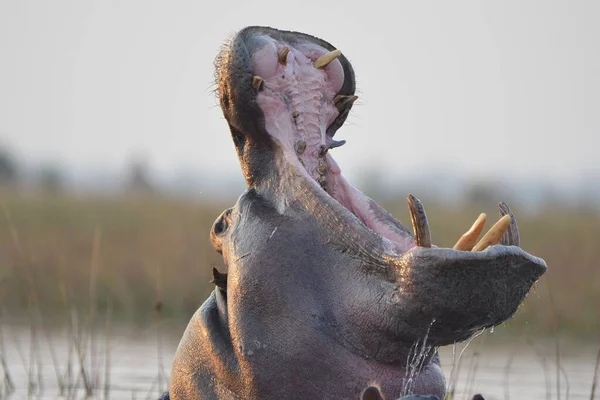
<point x="257" y="83"/>
<point x="283" y="55"/>
<point x="494" y="235"/>
<point x="469" y="239"/>
<point x="326" y="59"/>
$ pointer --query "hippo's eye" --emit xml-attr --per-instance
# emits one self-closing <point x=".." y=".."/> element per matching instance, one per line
<point x="221" y="226"/>
<point x="218" y="230"/>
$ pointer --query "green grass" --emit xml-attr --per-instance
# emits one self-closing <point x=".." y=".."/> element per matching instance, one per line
<point x="137" y="251"/>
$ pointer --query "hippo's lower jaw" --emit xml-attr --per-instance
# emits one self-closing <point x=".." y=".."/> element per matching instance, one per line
<point x="326" y="292"/>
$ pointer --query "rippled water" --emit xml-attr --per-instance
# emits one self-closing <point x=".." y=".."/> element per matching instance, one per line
<point x="139" y="364"/>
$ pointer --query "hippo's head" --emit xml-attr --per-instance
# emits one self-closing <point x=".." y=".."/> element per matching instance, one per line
<point x="327" y="294"/>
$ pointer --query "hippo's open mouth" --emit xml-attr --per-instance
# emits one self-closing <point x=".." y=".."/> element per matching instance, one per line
<point x="305" y="91"/>
<point x="284" y="95"/>
<point x="300" y="89"/>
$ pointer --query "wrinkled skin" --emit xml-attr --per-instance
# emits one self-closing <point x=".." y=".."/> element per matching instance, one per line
<point x="326" y="294"/>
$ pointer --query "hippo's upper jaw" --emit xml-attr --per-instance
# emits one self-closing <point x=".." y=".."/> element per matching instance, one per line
<point x="327" y="293"/>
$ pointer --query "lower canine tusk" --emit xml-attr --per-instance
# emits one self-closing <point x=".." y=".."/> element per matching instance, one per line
<point x="511" y="236"/>
<point x="419" y="221"/>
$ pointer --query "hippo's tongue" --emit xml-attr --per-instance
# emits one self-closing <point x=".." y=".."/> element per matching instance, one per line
<point x="297" y="89"/>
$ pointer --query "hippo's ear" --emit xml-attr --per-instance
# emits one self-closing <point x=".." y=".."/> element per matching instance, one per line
<point x="478" y="397"/>
<point x="219" y="279"/>
<point x="371" y="393"/>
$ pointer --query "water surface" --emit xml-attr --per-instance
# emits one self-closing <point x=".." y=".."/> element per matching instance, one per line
<point x="135" y="364"/>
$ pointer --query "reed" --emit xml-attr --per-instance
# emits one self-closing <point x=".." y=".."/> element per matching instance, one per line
<point x="69" y="262"/>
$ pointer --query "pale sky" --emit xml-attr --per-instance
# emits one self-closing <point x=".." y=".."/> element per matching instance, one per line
<point x="482" y="88"/>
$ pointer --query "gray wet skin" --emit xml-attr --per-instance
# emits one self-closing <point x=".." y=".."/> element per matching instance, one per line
<point x="325" y="293"/>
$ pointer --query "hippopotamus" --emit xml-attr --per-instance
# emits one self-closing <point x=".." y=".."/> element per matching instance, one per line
<point x="326" y="295"/>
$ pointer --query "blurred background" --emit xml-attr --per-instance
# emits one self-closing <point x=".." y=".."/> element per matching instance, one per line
<point x="115" y="160"/>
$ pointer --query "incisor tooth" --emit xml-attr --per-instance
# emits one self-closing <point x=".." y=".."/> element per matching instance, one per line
<point x="468" y="240"/>
<point x="257" y="83"/>
<point x="283" y="55"/>
<point x="494" y="235"/>
<point x="326" y="59"/>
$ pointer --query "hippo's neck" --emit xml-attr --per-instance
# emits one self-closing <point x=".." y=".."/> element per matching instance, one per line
<point x="208" y="366"/>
